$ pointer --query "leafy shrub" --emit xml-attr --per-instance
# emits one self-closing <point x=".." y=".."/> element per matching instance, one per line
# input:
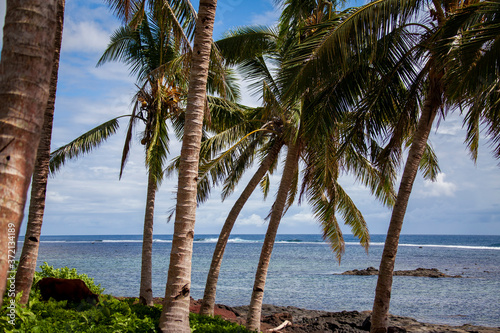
<point x="208" y="324"/>
<point x="109" y="316"/>
<point x="66" y="273"/>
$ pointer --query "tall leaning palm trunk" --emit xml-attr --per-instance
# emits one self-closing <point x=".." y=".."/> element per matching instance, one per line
<point x="430" y="108"/>
<point x="208" y="303"/>
<point x="175" y="313"/>
<point x="25" y="67"/>
<point x="29" y="254"/>
<point x="291" y="165"/>
<point x="146" y="288"/>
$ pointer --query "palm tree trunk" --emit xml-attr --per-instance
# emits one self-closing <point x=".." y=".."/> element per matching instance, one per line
<point x="29" y="254"/>
<point x="175" y="314"/>
<point x="291" y="165"/>
<point x="384" y="283"/>
<point x="208" y="303"/>
<point x="25" y="72"/>
<point x="146" y="290"/>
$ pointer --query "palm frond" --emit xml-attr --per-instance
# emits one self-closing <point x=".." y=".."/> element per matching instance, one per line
<point x="333" y="235"/>
<point x="128" y="138"/>
<point x="182" y="20"/>
<point x="157" y="150"/>
<point x="82" y="145"/>
<point x="324" y="211"/>
<point x="265" y="184"/>
<point x="353" y="217"/>
<point x="429" y="163"/>
<point x="247" y="43"/>
<point x="268" y="149"/>
<point x="124" y="9"/>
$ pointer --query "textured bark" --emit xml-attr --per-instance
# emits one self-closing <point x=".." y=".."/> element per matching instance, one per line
<point x="291" y="165"/>
<point x="383" y="290"/>
<point x="175" y="314"/>
<point x="25" y="72"/>
<point x="146" y="289"/>
<point x="208" y="303"/>
<point x="29" y="254"/>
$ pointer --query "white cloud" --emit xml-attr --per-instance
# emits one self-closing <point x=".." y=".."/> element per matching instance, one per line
<point x="299" y="219"/>
<point x="438" y="188"/>
<point x="451" y="127"/>
<point x="104" y="170"/>
<point x="56" y="197"/>
<point x="112" y="71"/>
<point x="84" y="37"/>
<point x="254" y="220"/>
<point x="268" y="18"/>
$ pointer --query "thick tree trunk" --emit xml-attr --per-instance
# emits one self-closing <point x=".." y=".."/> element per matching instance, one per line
<point x="291" y="165"/>
<point x="208" y="303"/>
<point x="25" y="67"/>
<point x="175" y="314"/>
<point x="146" y="290"/>
<point x="384" y="283"/>
<point x="29" y="254"/>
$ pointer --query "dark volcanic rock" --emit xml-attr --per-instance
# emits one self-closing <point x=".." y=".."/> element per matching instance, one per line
<point x="316" y="321"/>
<point x="421" y="272"/>
<point x="313" y="321"/>
<point x="277" y="319"/>
<point x="368" y="271"/>
<point x="425" y="272"/>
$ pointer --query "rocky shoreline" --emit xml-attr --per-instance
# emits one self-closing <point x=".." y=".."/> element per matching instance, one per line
<point x="312" y="321"/>
<point x="421" y="272"/>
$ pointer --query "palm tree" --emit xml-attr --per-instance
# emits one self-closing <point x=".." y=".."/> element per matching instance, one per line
<point x="471" y="38"/>
<point x="244" y="41"/>
<point x="27" y="260"/>
<point x="410" y="57"/>
<point x="434" y="99"/>
<point x="208" y="302"/>
<point x="152" y="54"/>
<point x="175" y="313"/>
<point x="325" y="124"/>
<point x="25" y="67"/>
<point x="151" y="51"/>
<point x="251" y="43"/>
<point x="289" y="170"/>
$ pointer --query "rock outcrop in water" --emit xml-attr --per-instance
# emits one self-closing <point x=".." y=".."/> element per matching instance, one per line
<point x="422" y="272"/>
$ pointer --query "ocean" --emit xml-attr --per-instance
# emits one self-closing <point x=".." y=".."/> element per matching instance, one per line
<point x="305" y="273"/>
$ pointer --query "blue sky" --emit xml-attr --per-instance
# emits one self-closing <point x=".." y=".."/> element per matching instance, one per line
<point x="86" y="197"/>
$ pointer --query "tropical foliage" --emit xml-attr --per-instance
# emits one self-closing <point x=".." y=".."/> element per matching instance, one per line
<point x="311" y="125"/>
<point x="110" y="315"/>
<point x="411" y="48"/>
<point x="153" y="50"/>
<point x="342" y="91"/>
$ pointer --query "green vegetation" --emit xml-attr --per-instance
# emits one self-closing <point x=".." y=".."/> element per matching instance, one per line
<point x="66" y="273"/>
<point x="110" y="315"/>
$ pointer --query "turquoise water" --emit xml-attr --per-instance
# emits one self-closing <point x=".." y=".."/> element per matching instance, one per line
<point x="304" y="272"/>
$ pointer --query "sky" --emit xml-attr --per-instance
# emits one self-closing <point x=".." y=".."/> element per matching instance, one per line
<point x="87" y="198"/>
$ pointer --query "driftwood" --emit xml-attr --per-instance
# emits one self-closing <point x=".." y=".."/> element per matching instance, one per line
<point x="282" y="326"/>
